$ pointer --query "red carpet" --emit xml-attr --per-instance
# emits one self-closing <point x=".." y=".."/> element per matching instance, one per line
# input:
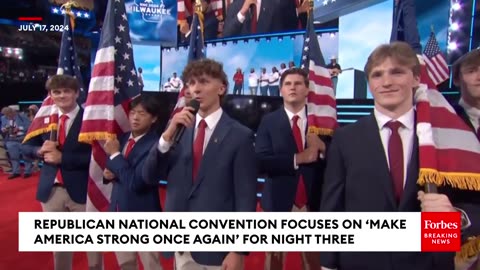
<point x="19" y="196"/>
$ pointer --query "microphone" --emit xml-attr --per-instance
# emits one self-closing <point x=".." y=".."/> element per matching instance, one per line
<point x="181" y="129"/>
<point x="431" y="188"/>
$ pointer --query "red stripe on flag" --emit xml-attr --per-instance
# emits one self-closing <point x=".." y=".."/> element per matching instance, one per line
<point x="95" y="195"/>
<point x="100" y="98"/>
<point x="447" y="119"/>
<point x="322" y="121"/>
<point x="321" y="99"/>
<point x="97" y="125"/>
<point x="319" y="79"/>
<point x="103" y="69"/>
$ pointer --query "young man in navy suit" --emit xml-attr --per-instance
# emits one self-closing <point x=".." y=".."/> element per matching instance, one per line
<point x="293" y="172"/>
<point x="372" y="165"/>
<point x="212" y="168"/>
<point x="466" y="76"/>
<point x="124" y="168"/>
<point x="64" y="175"/>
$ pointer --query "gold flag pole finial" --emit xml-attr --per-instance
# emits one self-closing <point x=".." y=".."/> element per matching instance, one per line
<point x="199" y="12"/>
<point x="68" y="10"/>
<point x="310" y="9"/>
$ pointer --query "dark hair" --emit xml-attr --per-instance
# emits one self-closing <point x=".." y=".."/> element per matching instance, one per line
<point x="149" y="103"/>
<point x="401" y="52"/>
<point x="208" y="67"/>
<point x="62" y="81"/>
<point x="470" y="59"/>
<point x="297" y="71"/>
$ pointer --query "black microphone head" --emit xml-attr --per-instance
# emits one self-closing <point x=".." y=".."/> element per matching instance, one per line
<point x="194" y="104"/>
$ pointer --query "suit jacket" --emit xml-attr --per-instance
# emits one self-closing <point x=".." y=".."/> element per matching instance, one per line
<point x="130" y="192"/>
<point x="275" y="16"/>
<point x="74" y="166"/>
<point x="226" y="180"/>
<point x="404" y="26"/>
<point x="275" y="148"/>
<point x="467" y="200"/>
<point x="357" y="179"/>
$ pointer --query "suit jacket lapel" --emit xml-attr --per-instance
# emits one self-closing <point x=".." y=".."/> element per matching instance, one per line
<point x="139" y="146"/>
<point x="213" y="148"/>
<point x="74" y="128"/>
<point x="377" y="156"/>
<point x="286" y="128"/>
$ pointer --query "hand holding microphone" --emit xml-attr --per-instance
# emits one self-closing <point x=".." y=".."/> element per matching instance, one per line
<point x="180" y="121"/>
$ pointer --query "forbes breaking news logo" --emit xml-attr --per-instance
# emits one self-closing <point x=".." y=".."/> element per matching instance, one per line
<point x="441" y="231"/>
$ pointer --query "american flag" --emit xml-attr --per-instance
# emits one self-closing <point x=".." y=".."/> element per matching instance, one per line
<point x="436" y="64"/>
<point x="196" y="51"/>
<point x="321" y="103"/>
<point x="113" y="85"/>
<point x="46" y="118"/>
<point x="443" y="160"/>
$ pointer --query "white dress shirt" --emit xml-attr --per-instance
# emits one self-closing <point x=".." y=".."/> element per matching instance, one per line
<point x="211" y="121"/>
<point x="242" y="18"/>
<point x="302" y="125"/>
<point x="472" y="112"/>
<point x="407" y="134"/>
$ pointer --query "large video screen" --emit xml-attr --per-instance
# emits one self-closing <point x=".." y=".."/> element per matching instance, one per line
<point x="246" y="56"/>
<point x="147" y="59"/>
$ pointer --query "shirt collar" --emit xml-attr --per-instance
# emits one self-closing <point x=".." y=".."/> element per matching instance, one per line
<point x="211" y="120"/>
<point x="136" y="139"/>
<point x="472" y="112"/>
<point x="302" y="114"/>
<point x="71" y="114"/>
<point x="407" y="119"/>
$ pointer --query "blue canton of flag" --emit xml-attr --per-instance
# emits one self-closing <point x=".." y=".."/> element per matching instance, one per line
<point x="311" y="47"/>
<point x="67" y="61"/>
<point x="196" y="50"/>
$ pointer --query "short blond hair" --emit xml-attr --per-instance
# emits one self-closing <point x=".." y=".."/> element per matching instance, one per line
<point x="401" y="52"/>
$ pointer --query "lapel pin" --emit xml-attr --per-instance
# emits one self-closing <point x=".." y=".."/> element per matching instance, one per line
<point x="215" y="140"/>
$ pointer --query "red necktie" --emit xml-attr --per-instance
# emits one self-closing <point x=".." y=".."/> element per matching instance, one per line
<point x="395" y="158"/>
<point x="301" y="196"/>
<point x="198" y="147"/>
<point x="131" y="143"/>
<point x="253" y="11"/>
<point x="62" y="135"/>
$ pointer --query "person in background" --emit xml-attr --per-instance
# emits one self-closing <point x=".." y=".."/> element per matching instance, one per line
<point x="373" y="164"/>
<point x="274" y="82"/>
<point x="4" y="161"/>
<point x="264" y="82"/>
<point x="124" y="165"/>
<point x="176" y="83"/>
<point x="212" y="168"/>
<point x="238" y="82"/>
<point x="64" y="175"/>
<point x="283" y="68"/>
<point x="335" y="70"/>
<point x="14" y="127"/>
<point x="140" y="78"/>
<point x="466" y="76"/>
<point x="290" y="159"/>
<point x="167" y="87"/>
<point x="253" y="82"/>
